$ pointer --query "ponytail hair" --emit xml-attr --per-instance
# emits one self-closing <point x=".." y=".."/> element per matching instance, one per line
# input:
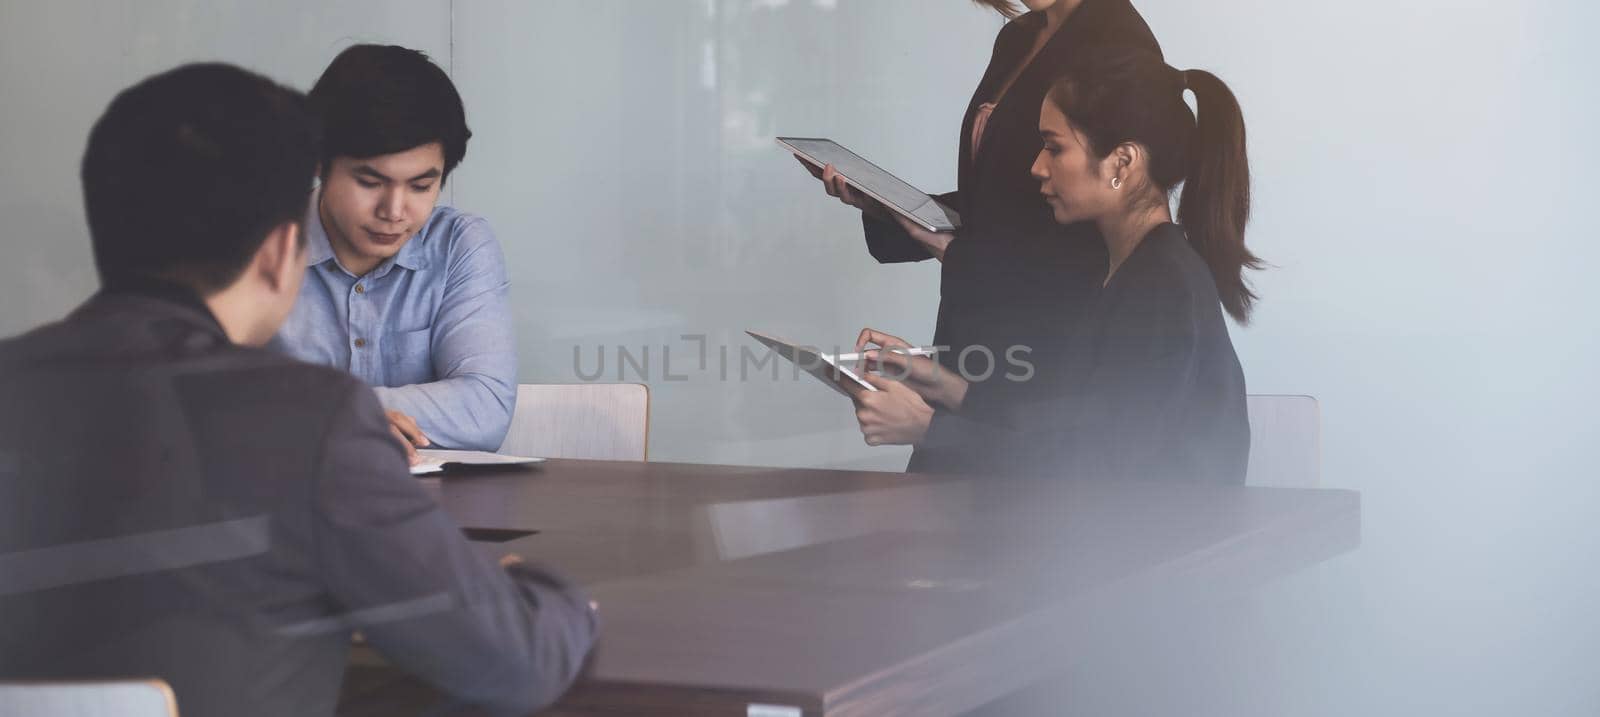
<point x="1004" y="7"/>
<point x="1120" y="95"/>
<point x="1215" y="204"/>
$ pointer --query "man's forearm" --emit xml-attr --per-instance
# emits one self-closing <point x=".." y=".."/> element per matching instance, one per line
<point x="465" y="412"/>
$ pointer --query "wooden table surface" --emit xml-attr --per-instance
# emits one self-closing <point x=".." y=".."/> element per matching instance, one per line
<point x="768" y="591"/>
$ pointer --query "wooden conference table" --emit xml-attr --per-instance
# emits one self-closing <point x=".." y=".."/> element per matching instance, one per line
<point x="730" y="590"/>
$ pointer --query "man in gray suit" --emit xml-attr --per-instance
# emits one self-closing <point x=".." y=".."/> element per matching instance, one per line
<point x="178" y="503"/>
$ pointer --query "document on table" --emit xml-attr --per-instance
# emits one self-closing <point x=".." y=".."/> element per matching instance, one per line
<point x="433" y="460"/>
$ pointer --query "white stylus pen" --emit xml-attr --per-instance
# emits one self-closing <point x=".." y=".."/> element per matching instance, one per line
<point x="913" y="351"/>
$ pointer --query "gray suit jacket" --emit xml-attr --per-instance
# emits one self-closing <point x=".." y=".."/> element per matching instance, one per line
<point x="224" y="517"/>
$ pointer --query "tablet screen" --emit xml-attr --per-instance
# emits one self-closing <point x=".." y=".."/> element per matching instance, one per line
<point x="808" y="359"/>
<point x="882" y="185"/>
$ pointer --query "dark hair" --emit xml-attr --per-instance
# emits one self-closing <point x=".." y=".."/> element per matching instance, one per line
<point x="382" y="99"/>
<point x="1119" y="96"/>
<point x="1004" y="7"/>
<point x="188" y="171"/>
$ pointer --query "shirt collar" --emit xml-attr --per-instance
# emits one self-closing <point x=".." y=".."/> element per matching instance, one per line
<point x="411" y="255"/>
<point x="320" y="250"/>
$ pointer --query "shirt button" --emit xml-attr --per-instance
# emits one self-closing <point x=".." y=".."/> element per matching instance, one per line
<point x="361" y="288"/>
<point x="361" y="343"/>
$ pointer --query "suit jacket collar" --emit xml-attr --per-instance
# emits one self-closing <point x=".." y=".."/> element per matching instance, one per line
<point x="160" y="298"/>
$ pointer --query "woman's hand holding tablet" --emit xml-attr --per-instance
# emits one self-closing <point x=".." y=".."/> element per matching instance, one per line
<point x="898" y="360"/>
<point x="835" y="185"/>
<point x="866" y="186"/>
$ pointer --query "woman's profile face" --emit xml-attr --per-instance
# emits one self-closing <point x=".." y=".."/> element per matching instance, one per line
<point x="1068" y="174"/>
<point x="1037" y="5"/>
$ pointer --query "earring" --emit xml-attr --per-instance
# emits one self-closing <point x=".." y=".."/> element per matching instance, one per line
<point x="1116" y="182"/>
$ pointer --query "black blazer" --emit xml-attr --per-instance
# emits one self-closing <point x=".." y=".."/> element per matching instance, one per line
<point x="1151" y="387"/>
<point x="223" y="517"/>
<point x="1013" y="276"/>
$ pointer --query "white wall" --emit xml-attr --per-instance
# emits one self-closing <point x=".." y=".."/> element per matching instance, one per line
<point x="1422" y="177"/>
<point x="1423" y="171"/>
<point x="624" y="153"/>
<point x="62" y="62"/>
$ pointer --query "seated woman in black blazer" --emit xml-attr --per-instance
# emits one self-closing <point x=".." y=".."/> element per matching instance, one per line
<point x="1149" y="385"/>
<point x="1011" y="274"/>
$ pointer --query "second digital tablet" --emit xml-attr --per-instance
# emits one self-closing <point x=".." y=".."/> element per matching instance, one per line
<point x="889" y="190"/>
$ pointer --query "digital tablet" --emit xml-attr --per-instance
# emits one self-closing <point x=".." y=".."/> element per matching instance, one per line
<point x="820" y="365"/>
<point x="891" y="191"/>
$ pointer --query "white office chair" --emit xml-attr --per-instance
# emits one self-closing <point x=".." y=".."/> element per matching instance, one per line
<point x="600" y="421"/>
<point x="119" y="698"/>
<point x="1285" y="441"/>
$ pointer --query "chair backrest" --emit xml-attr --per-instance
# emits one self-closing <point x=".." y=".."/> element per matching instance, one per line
<point x="601" y="421"/>
<point x="118" y="698"/>
<point x="1285" y="441"/>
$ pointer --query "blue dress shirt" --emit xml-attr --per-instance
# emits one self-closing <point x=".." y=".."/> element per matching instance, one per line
<point x="429" y="329"/>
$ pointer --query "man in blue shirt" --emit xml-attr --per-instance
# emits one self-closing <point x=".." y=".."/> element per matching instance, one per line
<point x="409" y="296"/>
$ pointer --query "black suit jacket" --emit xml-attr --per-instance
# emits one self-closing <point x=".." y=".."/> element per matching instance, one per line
<point x="1149" y="386"/>
<point x="1013" y="277"/>
<point x="224" y="517"/>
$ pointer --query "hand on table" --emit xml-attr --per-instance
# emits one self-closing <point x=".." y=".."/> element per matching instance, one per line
<point x="406" y="430"/>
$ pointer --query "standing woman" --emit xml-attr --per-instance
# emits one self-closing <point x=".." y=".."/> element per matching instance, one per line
<point x="1011" y="274"/>
<point x="1152" y="387"/>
